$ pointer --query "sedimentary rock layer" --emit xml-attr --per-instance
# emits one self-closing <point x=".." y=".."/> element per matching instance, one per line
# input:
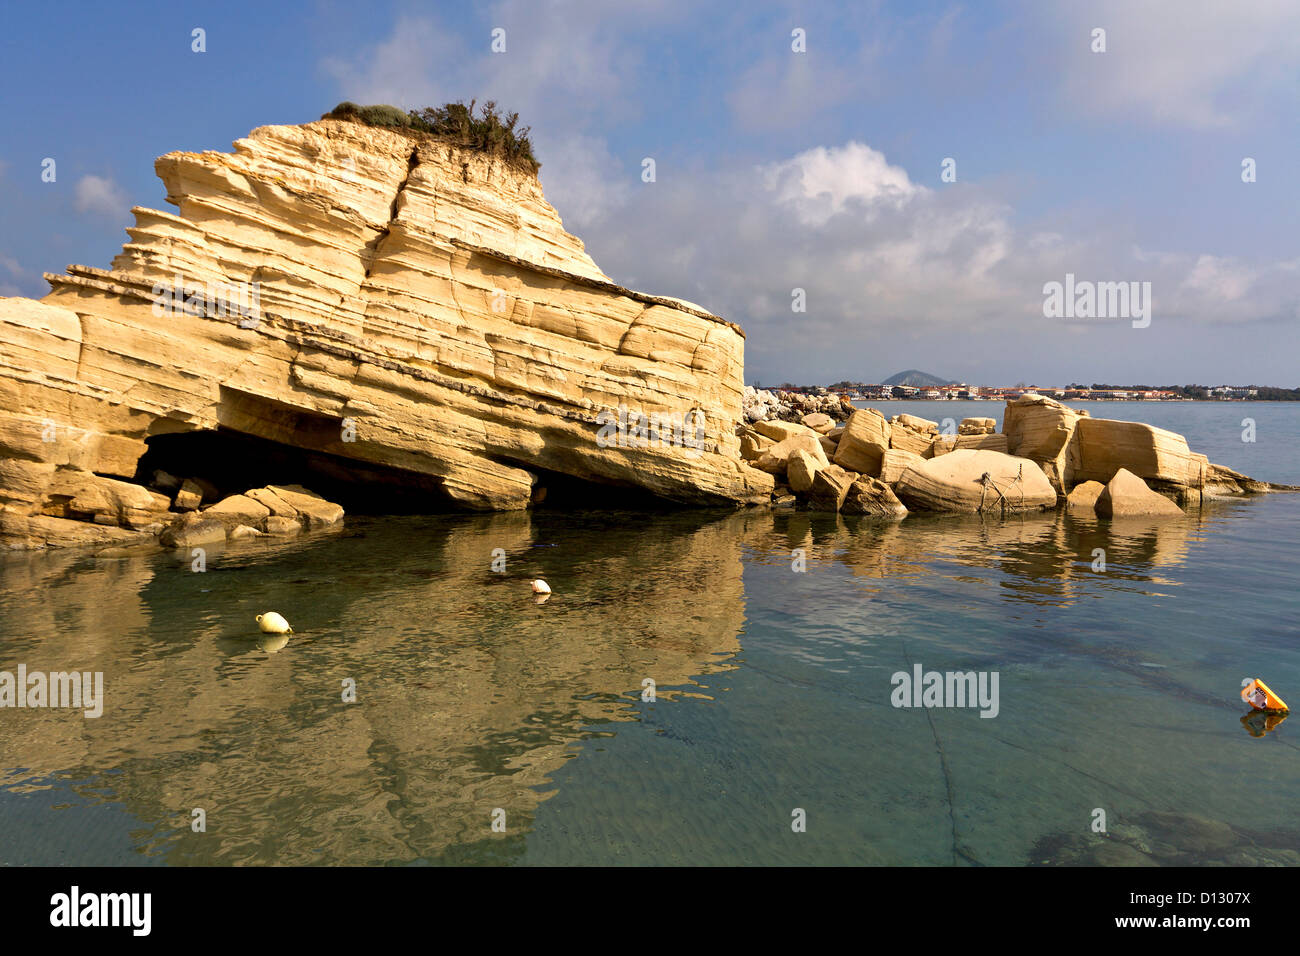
<point x="416" y="305"/>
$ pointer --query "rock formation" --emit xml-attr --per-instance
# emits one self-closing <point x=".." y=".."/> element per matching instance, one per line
<point x="381" y="297"/>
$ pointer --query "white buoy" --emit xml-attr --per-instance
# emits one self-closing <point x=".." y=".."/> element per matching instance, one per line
<point x="273" y="623"/>
<point x="541" y="587"/>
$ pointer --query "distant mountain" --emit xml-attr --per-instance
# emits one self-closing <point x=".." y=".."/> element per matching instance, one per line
<point x="917" y="379"/>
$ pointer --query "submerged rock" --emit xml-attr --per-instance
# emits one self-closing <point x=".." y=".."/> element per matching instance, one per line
<point x="1127" y="496"/>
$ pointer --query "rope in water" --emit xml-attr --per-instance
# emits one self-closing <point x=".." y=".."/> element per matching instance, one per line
<point x="987" y="482"/>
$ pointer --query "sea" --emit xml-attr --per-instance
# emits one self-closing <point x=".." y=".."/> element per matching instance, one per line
<point x="701" y="687"/>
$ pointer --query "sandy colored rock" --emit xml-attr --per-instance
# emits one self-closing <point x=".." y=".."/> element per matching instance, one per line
<point x="1083" y="498"/>
<point x="819" y="422"/>
<point x="197" y="533"/>
<point x="780" y="431"/>
<point x="863" y="442"/>
<point x="954" y="483"/>
<point x="830" y="487"/>
<point x="237" y="510"/>
<point x="419" y="297"/>
<point x="917" y="424"/>
<point x="987" y="442"/>
<point x="872" y="497"/>
<point x="829" y="445"/>
<point x="977" y="426"/>
<point x="1127" y="496"/>
<point x="28" y="532"/>
<point x="1152" y="454"/>
<point x="243" y="531"/>
<point x="281" y="526"/>
<point x="774" y="459"/>
<point x="752" y="445"/>
<point x="895" y="462"/>
<point x="919" y="443"/>
<point x="273" y="502"/>
<point x="1041" y="429"/>
<point x="800" y="470"/>
<point x="189" y="497"/>
<point x="315" y="511"/>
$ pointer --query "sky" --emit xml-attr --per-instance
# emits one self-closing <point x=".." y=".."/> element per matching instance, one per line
<point x="796" y="146"/>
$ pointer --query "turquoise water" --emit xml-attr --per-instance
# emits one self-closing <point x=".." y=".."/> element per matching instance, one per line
<point x="1117" y="689"/>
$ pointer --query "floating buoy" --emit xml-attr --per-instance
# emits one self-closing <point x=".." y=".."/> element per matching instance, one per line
<point x="541" y="587"/>
<point x="273" y="623"/>
<point x="1258" y="695"/>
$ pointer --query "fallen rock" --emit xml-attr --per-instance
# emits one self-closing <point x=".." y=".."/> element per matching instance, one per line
<point x="780" y="431"/>
<point x="863" y="442"/>
<point x="237" y="510"/>
<point x="801" y="468"/>
<point x="196" y="533"/>
<point x="752" y="445"/>
<point x="977" y="426"/>
<point x="829" y="445"/>
<point x="240" y="532"/>
<point x="830" y="486"/>
<point x="955" y="483"/>
<point x="1152" y="454"/>
<point x="1127" y="496"/>
<point x="1083" y="498"/>
<point x="189" y="497"/>
<point x="24" y="532"/>
<point x="819" y="422"/>
<point x="773" y="460"/>
<point x="913" y="434"/>
<point x="895" y="462"/>
<point x="281" y="526"/>
<point x="315" y="511"/>
<point x="1042" y="429"/>
<point x="273" y="502"/>
<point x="871" y="496"/>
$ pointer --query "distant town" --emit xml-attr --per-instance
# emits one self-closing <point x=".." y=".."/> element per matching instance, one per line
<point x="960" y="391"/>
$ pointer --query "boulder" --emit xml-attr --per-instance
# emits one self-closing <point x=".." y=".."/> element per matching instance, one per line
<point x="1042" y="429"/>
<point x="88" y="497"/>
<point x="1083" y="498"/>
<point x="917" y="424"/>
<point x="913" y="434"/>
<point x="237" y="510"/>
<point x="189" y="497"/>
<point x="281" y="526"/>
<point x="1127" y="496"/>
<point x="273" y="502"/>
<point x="800" y="470"/>
<point x="830" y="486"/>
<point x="773" y="460"/>
<point x="871" y="496"/>
<point x="240" y="532"/>
<point x="1153" y="454"/>
<point x="955" y="482"/>
<point x="314" y="510"/>
<point x="863" y="442"/>
<point x="194" y="531"/>
<point x="986" y="442"/>
<point x="977" y="426"/>
<point x="829" y="445"/>
<point x="780" y="431"/>
<point x="819" y="422"/>
<point x="895" y="462"/>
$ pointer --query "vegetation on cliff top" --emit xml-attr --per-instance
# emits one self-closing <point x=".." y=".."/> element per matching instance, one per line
<point x="489" y="131"/>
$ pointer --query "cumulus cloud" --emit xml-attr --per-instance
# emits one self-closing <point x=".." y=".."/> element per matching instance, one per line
<point x="101" y="195"/>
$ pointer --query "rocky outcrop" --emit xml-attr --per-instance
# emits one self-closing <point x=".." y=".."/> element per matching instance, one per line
<point x="975" y="481"/>
<point x="1042" y="429"/>
<point x="378" y="296"/>
<point x="873" y="498"/>
<point x="864" y="441"/>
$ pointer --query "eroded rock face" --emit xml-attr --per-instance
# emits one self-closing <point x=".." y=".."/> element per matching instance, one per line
<point x="1042" y="429"/>
<point x="382" y="297"/>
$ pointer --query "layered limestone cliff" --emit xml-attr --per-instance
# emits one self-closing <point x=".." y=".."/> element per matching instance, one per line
<point x="378" y="297"/>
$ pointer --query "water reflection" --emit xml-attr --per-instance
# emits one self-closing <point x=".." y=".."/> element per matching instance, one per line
<point x="471" y="694"/>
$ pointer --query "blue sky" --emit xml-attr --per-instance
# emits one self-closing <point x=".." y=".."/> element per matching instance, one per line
<point x="775" y="170"/>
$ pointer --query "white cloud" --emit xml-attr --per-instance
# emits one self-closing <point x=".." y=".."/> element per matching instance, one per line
<point x="100" y="194"/>
<point x="819" y="182"/>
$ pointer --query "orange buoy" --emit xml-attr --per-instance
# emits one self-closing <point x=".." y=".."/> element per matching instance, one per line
<point x="1258" y="695"/>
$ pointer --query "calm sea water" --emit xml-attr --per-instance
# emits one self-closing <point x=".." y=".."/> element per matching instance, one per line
<point x="1118" y="690"/>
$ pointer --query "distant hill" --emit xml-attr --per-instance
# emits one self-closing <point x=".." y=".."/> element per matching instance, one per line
<point x="917" y="379"/>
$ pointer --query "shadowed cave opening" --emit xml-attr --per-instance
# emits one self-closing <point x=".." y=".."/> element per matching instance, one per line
<point x="235" y="462"/>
